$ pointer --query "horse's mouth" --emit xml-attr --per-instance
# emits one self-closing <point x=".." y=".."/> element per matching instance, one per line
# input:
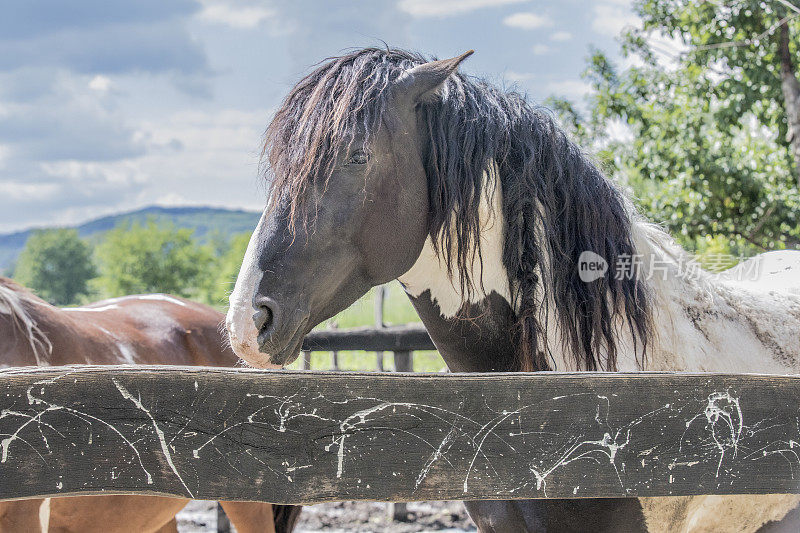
<point x="285" y="353"/>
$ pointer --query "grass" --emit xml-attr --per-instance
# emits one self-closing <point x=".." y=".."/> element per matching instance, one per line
<point x="397" y="310"/>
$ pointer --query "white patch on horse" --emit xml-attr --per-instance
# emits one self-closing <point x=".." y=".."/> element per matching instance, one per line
<point x="242" y="330"/>
<point x="91" y="309"/>
<point x="127" y="353"/>
<point x="105" y="331"/>
<point x="113" y="303"/>
<point x="160" y="298"/>
<point x="715" y="323"/>
<point x="770" y="271"/>
<point x="44" y="515"/>
<point x="430" y="273"/>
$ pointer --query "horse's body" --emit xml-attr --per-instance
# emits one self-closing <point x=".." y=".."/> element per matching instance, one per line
<point x="386" y="166"/>
<point x="146" y="329"/>
<point x="746" y="319"/>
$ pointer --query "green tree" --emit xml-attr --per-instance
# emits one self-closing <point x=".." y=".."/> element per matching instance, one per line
<point x="751" y="46"/>
<point x="706" y="154"/>
<point x="227" y="269"/>
<point x="151" y="258"/>
<point x="56" y="264"/>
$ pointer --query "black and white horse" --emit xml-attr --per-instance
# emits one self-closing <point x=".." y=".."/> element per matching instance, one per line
<point x="386" y="166"/>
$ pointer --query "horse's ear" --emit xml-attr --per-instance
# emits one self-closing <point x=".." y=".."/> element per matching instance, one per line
<point x="417" y="83"/>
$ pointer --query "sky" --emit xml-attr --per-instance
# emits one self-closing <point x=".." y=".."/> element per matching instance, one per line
<point x="108" y="106"/>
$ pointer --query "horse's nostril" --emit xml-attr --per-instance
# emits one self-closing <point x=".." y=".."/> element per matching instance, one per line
<point x="263" y="318"/>
<point x="266" y="313"/>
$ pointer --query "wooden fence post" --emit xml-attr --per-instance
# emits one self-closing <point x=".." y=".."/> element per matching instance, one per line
<point x="334" y="354"/>
<point x="380" y="293"/>
<point x="403" y="362"/>
<point x="398" y="511"/>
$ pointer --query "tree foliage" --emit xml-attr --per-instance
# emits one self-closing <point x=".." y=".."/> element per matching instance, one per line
<point x="226" y="269"/>
<point x="56" y="264"/>
<point x="152" y="258"/>
<point x="706" y="151"/>
<point x="736" y="43"/>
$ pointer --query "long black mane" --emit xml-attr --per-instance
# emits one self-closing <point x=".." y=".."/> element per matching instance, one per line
<point x="556" y="203"/>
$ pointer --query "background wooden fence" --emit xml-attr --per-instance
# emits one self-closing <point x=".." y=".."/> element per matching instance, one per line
<point x="402" y="341"/>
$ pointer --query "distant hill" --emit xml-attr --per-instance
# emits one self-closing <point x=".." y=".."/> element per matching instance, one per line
<point x="204" y="221"/>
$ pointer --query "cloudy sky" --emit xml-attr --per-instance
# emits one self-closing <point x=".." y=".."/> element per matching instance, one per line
<point x="112" y="105"/>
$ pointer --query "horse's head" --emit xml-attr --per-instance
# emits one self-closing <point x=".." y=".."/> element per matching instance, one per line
<point x="349" y="132"/>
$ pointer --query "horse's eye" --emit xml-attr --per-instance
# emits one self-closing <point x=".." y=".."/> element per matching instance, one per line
<point x="359" y="157"/>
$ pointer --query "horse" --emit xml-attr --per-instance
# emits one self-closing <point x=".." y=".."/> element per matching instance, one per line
<point x="383" y="164"/>
<point x="143" y="329"/>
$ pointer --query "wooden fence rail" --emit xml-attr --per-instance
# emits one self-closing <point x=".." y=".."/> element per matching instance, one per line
<point x="306" y="437"/>
<point x="401" y="340"/>
<point x="387" y="339"/>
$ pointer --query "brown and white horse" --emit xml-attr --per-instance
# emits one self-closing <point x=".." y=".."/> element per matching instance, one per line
<point x="387" y="166"/>
<point x="144" y="329"/>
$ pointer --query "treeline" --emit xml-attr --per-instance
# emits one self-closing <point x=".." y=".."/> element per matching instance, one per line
<point x="133" y="258"/>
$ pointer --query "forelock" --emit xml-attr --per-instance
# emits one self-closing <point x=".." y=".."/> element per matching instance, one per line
<point x="324" y="113"/>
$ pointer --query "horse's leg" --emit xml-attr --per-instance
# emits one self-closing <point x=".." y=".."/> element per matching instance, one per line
<point x="501" y="516"/>
<point x="250" y="517"/>
<point x="285" y="517"/>
<point x="763" y="513"/>
<point x="112" y="514"/>
<point x="21" y="515"/>
<point x="598" y="515"/>
<point x="169" y="527"/>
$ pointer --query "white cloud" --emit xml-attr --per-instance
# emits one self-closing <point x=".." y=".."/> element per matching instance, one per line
<point x="527" y="21"/>
<point x="215" y="156"/>
<point x="561" y="36"/>
<point x="447" y="8"/>
<point x="571" y="89"/>
<point x="100" y="83"/>
<point x="5" y="151"/>
<point x="246" y="17"/>
<point x="192" y="158"/>
<point x="20" y="190"/>
<point x="515" y="76"/>
<point x="540" y="49"/>
<point x="612" y="16"/>
<point x="44" y="128"/>
<point x="92" y="174"/>
<point x="172" y="199"/>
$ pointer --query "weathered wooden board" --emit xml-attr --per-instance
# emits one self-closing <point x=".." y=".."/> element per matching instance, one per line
<point x="388" y="339"/>
<point x="301" y="437"/>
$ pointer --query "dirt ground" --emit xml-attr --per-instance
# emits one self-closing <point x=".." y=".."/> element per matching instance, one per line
<point x="362" y="517"/>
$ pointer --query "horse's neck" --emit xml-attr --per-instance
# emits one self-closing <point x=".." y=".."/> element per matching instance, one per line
<point x="704" y="322"/>
<point x="477" y="340"/>
<point x="701" y="322"/>
<point x="488" y="273"/>
<point x="472" y="332"/>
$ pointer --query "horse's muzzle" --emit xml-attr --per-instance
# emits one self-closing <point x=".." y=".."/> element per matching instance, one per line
<point x="280" y="335"/>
